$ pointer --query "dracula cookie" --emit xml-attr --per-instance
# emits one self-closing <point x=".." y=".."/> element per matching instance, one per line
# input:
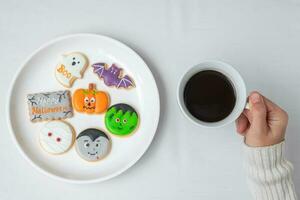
<point x="56" y="137"/>
<point x="121" y="119"/>
<point x="112" y="76"/>
<point x="90" y="100"/>
<point x="93" y="144"/>
<point x="71" y="67"/>
<point x="49" y="105"/>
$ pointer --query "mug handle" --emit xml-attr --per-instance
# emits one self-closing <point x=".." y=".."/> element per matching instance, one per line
<point x="247" y="106"/>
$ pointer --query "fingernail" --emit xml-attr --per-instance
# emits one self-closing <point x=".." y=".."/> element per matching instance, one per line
<point x="255" y="98"/>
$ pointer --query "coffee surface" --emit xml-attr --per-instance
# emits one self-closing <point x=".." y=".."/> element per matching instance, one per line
<point x="209" y="96"/>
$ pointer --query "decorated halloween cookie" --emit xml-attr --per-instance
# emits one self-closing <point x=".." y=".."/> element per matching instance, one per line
<point x="56" y="137"/>
<point x="93" y="144"/>
<point x="71" y="67"/>
<point x="90" y="100"/>
<point x="49" y="105"/>
<point x="121" y="119"/>
<point x="112" y="75"/>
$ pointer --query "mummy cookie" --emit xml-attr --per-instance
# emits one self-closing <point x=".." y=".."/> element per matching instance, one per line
<point x="49" y="105"/>
<point x="93" y="144"/>
<point x="90" y="100"/>
<point x="71" y="67"/>
<point x="121" y="119"/>
<point x="112" y="75"/>
<point x="56" y="137"/>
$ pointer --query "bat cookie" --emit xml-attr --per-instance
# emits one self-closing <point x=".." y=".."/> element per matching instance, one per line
<point x="56" y="137"/>
<point x="93" y="144"/>
<point x="112" y="75"/>
<point x="90" y="100"/>
<point x="71" y="67"/>
<point x="49" y="105"/>
<point x="121" y="119"/>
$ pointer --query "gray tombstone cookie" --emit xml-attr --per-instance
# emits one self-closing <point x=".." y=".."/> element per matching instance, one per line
<point x="50" y="105"/>
<point x="93" y="144"/>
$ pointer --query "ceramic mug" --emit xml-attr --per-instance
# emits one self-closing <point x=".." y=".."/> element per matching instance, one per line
<point x="232" y="75"/>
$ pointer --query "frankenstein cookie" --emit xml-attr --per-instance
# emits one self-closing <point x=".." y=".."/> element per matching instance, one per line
<point x="49" y="105"/>
<point x="56" y="137"/>
<point x="93" y="144"/>
<point x="71" y="67"/>
<point x="121" y="119"/>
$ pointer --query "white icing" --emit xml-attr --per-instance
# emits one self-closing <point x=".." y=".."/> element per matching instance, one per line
<point x="58" y="129"/>
<point x="73" y="66"/>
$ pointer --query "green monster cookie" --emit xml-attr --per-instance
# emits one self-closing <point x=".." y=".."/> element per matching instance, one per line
<point x="121" y="119"/>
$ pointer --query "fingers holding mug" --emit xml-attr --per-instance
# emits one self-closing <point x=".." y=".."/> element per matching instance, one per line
<point x="267" y="122"/>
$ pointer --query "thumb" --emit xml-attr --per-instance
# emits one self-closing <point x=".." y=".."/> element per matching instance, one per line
<point x="258" y="112"/>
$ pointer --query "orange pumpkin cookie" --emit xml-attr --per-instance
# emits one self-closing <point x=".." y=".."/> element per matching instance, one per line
<point x="90" y="100"/>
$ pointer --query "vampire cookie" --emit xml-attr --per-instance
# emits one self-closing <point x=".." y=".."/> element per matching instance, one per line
<point x="93" y="144"/>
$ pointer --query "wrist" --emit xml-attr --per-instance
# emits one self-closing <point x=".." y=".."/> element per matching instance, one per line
<point x="262" y="141"/>
<point x="264" y="157"/>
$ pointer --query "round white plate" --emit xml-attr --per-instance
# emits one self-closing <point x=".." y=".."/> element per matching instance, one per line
<point x="37" y="75"/>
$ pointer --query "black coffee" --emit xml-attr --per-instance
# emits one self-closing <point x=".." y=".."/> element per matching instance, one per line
<point x="209" y="96"/>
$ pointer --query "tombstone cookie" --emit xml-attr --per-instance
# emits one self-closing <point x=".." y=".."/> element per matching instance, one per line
<point x="93" y="144"/>
<point x="71" y="67"/>
<point x="49" y="105"/>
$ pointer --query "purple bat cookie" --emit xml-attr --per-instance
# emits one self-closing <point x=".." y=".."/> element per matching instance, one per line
<point x="112" y="75"/>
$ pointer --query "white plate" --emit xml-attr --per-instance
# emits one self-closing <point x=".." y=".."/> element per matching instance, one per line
<point x="37" y="75"/>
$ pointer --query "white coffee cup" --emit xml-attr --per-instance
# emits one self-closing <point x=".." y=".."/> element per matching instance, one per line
<point x="232" y="75"/>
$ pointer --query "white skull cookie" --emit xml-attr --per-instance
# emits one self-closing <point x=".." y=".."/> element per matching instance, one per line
<point x="71" y="67"/>
<point x="93" y="144"/>
<point x="56" y="137"/>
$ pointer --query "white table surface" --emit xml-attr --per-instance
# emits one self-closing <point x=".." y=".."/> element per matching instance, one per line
<point x="261" y="38"/>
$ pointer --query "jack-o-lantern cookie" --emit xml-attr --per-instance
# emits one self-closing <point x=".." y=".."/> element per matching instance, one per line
<point x="57" y="137"/>
<point x="90" y="100"/>
<point x="71" y="67"/>
<point x="93" y="144"/>
<point x="121" y="119"/>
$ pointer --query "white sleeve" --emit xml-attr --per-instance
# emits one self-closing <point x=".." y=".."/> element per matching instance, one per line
<point x="269" y="173"/>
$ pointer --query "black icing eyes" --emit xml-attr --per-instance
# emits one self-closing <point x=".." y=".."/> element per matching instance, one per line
<point x="78" y="62"/>
<point x="86" y="145"/>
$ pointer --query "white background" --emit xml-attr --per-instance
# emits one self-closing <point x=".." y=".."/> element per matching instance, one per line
<point x="260" y="38"/>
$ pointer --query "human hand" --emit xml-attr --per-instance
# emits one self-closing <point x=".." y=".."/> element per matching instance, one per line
<point x="264" y="124"/>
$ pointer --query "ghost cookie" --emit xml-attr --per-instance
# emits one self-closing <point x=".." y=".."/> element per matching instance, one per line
<point x="56" y="137"/>
<point x="93" y="144"/>
<point x="121" y="119"/>
<point x="71" y="67"/>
